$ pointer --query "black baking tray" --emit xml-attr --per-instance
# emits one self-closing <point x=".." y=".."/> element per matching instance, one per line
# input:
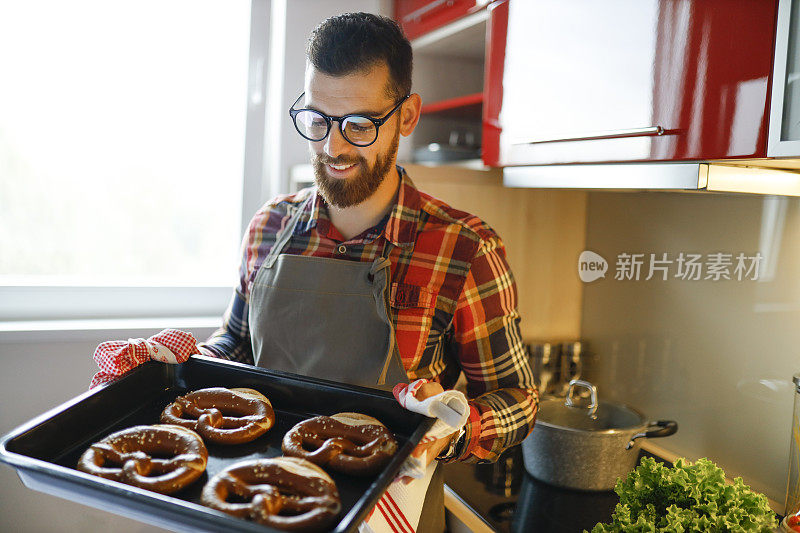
<point x="45" y="451"/>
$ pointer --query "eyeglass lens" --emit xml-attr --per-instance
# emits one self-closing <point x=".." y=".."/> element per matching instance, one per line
<point x="356" y="129"/>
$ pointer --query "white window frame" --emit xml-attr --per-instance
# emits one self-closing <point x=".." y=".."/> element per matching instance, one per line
<point x="26" y="302"/>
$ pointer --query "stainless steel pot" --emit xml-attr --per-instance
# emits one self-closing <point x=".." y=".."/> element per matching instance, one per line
<point x="587" y="448"/>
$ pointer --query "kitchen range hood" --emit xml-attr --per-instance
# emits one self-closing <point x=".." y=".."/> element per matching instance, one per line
<point x="758" y="176"/>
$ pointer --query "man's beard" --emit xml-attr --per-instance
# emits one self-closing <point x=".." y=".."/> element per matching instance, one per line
<point x="347" y="192"/>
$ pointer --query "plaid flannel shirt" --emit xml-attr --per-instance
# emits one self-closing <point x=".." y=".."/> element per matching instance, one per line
<point x="453" y="303"/>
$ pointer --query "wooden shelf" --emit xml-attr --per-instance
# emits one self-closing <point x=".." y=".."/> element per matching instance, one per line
<point x="468" y="106"/>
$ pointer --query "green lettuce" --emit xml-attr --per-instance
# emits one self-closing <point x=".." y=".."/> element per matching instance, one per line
<point x="686" y="497"/>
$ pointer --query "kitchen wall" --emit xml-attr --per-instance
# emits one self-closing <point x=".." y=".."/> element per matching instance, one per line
<point x="716" y="356"/>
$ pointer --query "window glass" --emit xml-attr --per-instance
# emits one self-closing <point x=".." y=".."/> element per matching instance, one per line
<point x="122" y="141"/>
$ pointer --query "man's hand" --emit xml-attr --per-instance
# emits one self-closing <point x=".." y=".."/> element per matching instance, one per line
<point x="431" y="448"/>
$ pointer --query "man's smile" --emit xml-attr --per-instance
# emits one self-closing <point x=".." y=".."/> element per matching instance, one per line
<point x="342" y="167"/>
<point x="341" y="170"/>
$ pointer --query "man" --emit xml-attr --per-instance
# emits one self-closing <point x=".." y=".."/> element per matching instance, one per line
<point x="320" y="266"/>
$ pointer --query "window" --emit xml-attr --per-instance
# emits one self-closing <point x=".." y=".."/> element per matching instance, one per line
<point x="122" y="142"/>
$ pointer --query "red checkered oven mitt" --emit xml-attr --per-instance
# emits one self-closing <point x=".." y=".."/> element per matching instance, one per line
<point x="117" y="357"/>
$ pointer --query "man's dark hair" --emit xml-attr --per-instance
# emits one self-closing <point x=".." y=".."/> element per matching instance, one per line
<point x="354" y="42"/>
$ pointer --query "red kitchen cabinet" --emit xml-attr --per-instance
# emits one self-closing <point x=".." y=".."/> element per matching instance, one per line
<point x="636" y="80"/>
<point x="459" y="74"/>
<point x="496" y="29"/>
<point x="418" y="17"/>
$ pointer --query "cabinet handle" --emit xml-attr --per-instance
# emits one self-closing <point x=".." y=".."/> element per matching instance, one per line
<point x="419" y="13"/>
<point x="615" y="134"/>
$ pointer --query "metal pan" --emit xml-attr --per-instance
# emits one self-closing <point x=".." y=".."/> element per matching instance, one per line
<point x="45" y="450"/>
<point x="587" y="448"/>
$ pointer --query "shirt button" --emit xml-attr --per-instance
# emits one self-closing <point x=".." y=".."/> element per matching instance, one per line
<point x="342" y="248"/>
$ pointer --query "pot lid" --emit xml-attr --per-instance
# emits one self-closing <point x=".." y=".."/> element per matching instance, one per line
<point x="594" y="416"/>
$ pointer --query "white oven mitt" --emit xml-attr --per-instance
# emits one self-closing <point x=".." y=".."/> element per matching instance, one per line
<point x="450" y="408"/>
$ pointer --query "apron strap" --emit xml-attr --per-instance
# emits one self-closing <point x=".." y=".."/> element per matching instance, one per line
<point x="286" y="235"/>
<point x="390" y="354"/>
<point x="380" y="263"/>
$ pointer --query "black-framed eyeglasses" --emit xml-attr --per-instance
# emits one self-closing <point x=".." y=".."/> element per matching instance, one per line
<point x="359" y="130"/>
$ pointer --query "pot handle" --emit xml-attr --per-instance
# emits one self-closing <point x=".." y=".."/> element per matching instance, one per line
<point x="662" y="428"/>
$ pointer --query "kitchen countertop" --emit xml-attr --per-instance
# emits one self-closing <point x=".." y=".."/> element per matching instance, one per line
<point x="509" y="500"/>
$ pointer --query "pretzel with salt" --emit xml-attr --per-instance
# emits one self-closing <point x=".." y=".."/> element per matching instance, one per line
<point x="352" y="443"/>
<point x="161" y="458"/>
<point x="286" y="493"/>
<point x="222" y="416"/>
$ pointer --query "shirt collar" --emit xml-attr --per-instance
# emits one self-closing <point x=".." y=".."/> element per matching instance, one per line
<point x="401" y="227"/>
<point x="313" y="209"/>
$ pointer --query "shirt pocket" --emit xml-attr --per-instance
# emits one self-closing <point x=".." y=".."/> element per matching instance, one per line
<point x="413" y="309"/>
<point x="406" y="296"/>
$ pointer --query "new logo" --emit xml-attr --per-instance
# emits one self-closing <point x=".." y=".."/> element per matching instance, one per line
<point x="591" y="266"/>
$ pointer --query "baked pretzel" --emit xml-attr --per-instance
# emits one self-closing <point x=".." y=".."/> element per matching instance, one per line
<point x="160" y="458"/>
<point x="223" y="416"/>
<point x="351" y="443"/>
<point x="284" y="492"/>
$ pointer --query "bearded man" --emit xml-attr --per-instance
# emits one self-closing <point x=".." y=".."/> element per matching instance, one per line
<point x="363" y="279"/>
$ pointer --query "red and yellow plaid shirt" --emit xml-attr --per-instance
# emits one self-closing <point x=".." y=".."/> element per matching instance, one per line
<point x="453" y="303"/>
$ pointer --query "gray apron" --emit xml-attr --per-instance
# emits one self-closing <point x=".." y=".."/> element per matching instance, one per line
<point x="329" y="319"/>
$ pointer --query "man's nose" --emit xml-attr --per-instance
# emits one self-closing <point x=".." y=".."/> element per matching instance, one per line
<point x="336" y="144"/>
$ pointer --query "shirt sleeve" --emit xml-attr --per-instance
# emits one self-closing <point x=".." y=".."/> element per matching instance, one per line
<point x="502" y="395"/>
<point x="232" y="340"/>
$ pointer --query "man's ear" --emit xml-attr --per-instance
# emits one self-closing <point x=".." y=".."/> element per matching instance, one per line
<point x="409" y="114"/>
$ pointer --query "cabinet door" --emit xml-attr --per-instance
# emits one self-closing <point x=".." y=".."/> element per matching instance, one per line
<point x="636" y="80"/>
<point x="418" y="17"/>
<point x="784" y="124"/>
<point x="493" y="82"/>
